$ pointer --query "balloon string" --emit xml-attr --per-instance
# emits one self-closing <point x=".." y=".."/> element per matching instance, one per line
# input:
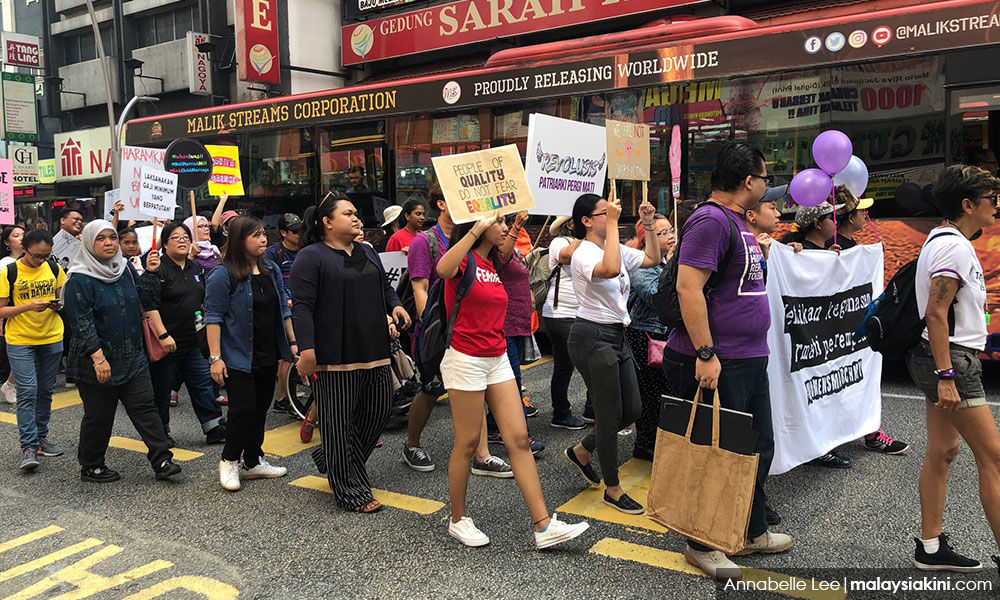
<point x="833" y="201"/>
<point x="872" y="223"/>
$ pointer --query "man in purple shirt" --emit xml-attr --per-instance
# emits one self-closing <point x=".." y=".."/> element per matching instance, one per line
<point x="421" y="262"/>
<point x="728" y="324"/>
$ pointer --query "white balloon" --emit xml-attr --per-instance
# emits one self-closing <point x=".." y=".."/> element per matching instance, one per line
<point x="854" y="176"/>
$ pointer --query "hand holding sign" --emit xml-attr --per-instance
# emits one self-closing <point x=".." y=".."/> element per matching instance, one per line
<point x="646" y="213"/>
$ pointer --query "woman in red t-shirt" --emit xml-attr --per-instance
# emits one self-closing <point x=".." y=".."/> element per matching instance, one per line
<point x="413" y="220"/>
<point x="476" y="368"/>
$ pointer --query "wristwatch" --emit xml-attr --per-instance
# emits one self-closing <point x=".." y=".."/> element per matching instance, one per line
<point x="214" y="359"/>
<point x="705" y="353"/>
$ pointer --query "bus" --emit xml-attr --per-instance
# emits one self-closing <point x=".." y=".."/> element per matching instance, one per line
<point x="915" y="89"/>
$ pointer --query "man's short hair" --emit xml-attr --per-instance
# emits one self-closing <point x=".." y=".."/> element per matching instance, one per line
<point x="958" y="182"/>
<point x="356" y="170"/>
<point x="735" y="162"/>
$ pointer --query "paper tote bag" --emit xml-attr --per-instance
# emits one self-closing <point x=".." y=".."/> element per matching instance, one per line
<point x="702" y="492"/>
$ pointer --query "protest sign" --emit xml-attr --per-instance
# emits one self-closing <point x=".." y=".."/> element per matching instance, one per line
<point x="134" y="158"/>
<point x="226" y="176"/>
<point x="190" y="161"/>
<point x="158" y="193"/>
<point x="628" y="150"/>
<point x="565" y="159"/>
<point x="145" y="235"/>
<point x="478" y="184"/>
<point x="825" y="387"/>
<point x="394" y="264"/>
<point x="110" y="197"/>
<point x="6" y="191"/>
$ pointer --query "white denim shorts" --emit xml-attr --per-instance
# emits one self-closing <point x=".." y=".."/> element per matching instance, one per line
<point x="472" y="373"/>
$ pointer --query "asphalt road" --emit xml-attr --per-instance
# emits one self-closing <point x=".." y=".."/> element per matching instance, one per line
<point x="141" y="538"/>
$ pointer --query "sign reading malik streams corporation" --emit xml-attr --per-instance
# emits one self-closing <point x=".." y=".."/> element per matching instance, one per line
<point x="471" y="21"/>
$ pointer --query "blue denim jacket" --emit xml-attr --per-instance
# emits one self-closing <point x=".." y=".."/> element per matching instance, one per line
<point x="235" y="315"/>
<point x="640" y="300"/>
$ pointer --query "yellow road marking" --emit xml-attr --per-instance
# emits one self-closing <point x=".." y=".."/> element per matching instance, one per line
<point x="6" y="417"/>
<point x="634" y="477"/>
<point x="541" y="361"/>
<point x="139" y="446"/>
<point x="421" y="506"/>
<point x="675" y="561"/>
<point x="30" y="537"/>
<point x="65" y="399"/>
<point x="285" y="441"/>
<point x="48" y="559"/>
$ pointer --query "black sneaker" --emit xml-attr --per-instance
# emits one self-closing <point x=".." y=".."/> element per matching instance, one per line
<point x="216" y="435"/>
<point x="624" y="504"/>
<point x="773" y="518"/>
<point x="100" y="474"/>
<point x="167" y="469"/>
<point x="170" y="441"/>
<point x="284" y="406"/>
<point x="832" y="460"/>
<point x="945" y="559"/>
<point x="568" y="422"/>
<point x="587" y="470"/>
<point x="588" y="415"/>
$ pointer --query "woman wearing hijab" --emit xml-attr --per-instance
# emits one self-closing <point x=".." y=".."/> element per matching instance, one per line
<point x="208" y="255"/>
<point x="107" y="357"/>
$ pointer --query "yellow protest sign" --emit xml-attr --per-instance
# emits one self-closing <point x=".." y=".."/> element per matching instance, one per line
<point x="477" y="184"/>
<point x="628" y="150"/>
<point x="225" y="171"/>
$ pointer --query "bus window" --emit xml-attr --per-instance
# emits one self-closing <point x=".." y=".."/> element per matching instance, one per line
<point x="278" y="174"/>
<point x="352" y="161"/>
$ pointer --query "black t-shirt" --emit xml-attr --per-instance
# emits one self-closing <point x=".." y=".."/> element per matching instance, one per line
<point x="182" y="293"/>
<point x="366" y="331"/>
<point x="265" y="315"/>
<point x="218" y="238"/>
<point x="843" y="242"/>
<point x="807" y="245"/>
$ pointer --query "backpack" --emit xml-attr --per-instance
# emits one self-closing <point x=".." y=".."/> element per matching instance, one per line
<point x="540" y="277"/>
<point x="665" y="301"/>
<point x="436" y="327"/>
<point x="12" y="275"/>
<point x="404" y="289"/>
<point x="892" y="323"/>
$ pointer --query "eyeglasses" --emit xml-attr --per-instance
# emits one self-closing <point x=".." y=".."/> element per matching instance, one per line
<point x="204" y="225"/>
<point x="994" y="198"/>
<point x="179" y="239"/>
<point x="764" y="178"/>
<point x="600" y="214"/>
<point x="40" y="257"/>
<point x="665" y="233"/>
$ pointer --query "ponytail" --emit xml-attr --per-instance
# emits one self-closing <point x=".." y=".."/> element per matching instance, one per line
<point x="312" y="220"/>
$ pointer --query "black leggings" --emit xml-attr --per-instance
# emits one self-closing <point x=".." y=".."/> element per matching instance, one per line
<point x="249" y="398"/>
<point x="603" y="358"/>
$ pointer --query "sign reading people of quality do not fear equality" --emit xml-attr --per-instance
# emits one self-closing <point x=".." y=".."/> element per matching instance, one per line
<point x="479" y="184"/>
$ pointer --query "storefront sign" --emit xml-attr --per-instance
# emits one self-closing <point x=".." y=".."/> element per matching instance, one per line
<point x="190" y="161"/>
<point x="565" y="159"/>
<point x="226" y="177"/>
<point x="365" y="8"/>
<point x="47" y="170"/>
<point x="83" y="154"/>
<point x="20" y="114"/>
<point x="471" y="21"/>
<point x="158" y="193"/>
<point x="25" y="160"/>
<point x="917" y="31"/>
<point x="134" y="158"/>
<point x="479" y="184"/>
<point x="257" y="51"/>
<point x="6" y="192"/>
<point x="198" y="64"/>
<point x="21" y="50"/>
<point x="628" y="150"/>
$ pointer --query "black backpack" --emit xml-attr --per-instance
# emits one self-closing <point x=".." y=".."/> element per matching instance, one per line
<point x="665" y="300"/>
<point x="404" y="289"/>
<point x="12" y="275"/>
<point x="893" y="324"/>
<point x="435" y="325"/>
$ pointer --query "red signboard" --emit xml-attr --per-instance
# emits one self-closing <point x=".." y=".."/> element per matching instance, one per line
<point x="21" y="50"/>
<point x="470" y="21"/>
<point x="257" y="41"/>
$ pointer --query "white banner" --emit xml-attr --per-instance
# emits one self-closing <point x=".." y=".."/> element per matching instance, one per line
<point x="158" y="193"/>
<point x="564" y="159"/>
<point x="825" y="388"/>
<point x="395" y="266"/>
<point x="134" y="158"/>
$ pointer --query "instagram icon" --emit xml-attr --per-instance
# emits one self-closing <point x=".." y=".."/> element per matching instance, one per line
<point x="858" y="38"/>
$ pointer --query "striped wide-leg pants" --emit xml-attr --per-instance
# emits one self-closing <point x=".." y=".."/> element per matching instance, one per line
<point x="353" y="408"/>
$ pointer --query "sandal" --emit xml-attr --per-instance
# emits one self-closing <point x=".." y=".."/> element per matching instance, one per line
<point x="306" y="432"/>
<point x="373" y="506"/>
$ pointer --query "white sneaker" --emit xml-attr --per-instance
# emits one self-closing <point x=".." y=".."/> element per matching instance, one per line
<point x="9" y="392"/>
<point x="557" y="532"/>
<point x="466" y="532"/>
<point x="767" y="543"/>
<point x="715" y="564"/>
<point x="229" y="474"/>
<point x="263" y="470"/>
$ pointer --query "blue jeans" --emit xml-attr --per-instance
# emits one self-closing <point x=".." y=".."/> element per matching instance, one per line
<point x="514" y="356"/>
<point x="743" y="386"/>
<point x="194" y="370"/>
<point x="35" y="369"/>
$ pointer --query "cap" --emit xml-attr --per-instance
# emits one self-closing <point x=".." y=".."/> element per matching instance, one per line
<point x="391" y="213"/>
<point x="559" y="222"/>
<point x="773" y="194"/>
<point x="229" y="214"/>
<point x="289" y="222"/>
<point x="847" y="202"/>
<point x="807" y="214"/>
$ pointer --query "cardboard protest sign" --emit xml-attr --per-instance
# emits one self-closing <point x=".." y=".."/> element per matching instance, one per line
<point x="190" y="161"/>
<point x="565" y="159"/>
<point x="158" y="193"/>
<point x="478" y="184"/>
<point x="134" y="158"/>
<point x="226" y="176"/>
<point x="628" y="150"/>
<point x="395" y="266"/>
<point x="6" y="191"/>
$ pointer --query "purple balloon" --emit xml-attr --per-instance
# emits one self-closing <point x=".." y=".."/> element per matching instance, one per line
<point x="832" y="151"/>
<point x="811" y="187"/>
<point x="854" y="176"/>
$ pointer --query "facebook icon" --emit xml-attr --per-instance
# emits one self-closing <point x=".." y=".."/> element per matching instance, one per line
<point x="813" y="44"/>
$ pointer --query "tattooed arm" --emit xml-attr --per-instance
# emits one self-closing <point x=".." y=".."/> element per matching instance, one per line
<point x="942" y="294"/>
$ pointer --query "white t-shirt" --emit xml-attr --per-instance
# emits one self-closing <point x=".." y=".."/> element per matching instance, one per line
<point x="6" y="261"/>
<point x="568" y="304"/>
<point x="603" y="300"/>
<point x="953" y="256"/>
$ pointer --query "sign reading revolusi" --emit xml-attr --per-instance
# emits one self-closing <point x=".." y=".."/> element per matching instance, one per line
<point x="471" y="21"/>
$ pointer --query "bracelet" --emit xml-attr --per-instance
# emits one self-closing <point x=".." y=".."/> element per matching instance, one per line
<point x="165" y="335"/>
<point x="100" y="362"/>
<point x="945" y="374"/>
<point x="473" y="234"/>
<point x="650" y="224"/>
<point x="293" y="343"/>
